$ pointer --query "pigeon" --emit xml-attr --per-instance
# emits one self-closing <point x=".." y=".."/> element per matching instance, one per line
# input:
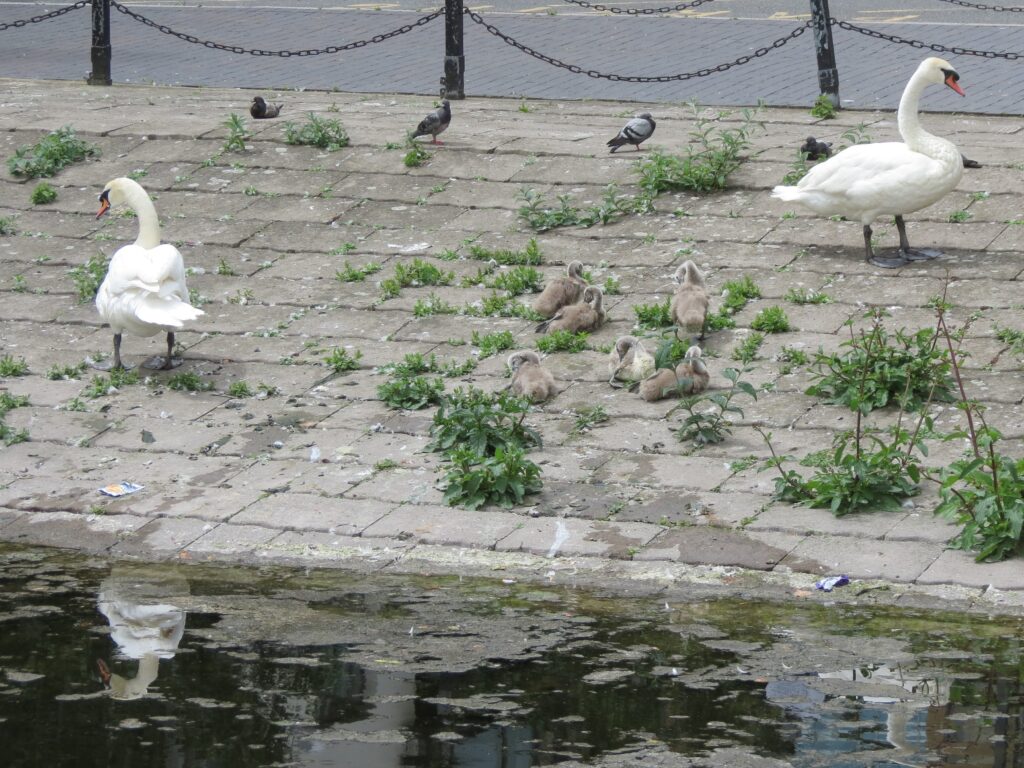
<point x="434" y="123"/>
<point x="968" y="163"/>
<point x="262" y="111"/>
<point x="816" y="150"/>
<point x="635" y="132"/>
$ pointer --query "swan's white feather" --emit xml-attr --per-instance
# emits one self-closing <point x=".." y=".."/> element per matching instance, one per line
<point x="868" y="180"/>
<point x="144" y="291"/>
<point x="889" y="178"/>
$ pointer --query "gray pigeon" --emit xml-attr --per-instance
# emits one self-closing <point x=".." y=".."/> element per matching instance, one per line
<point x="434" y="123"/>
<point x="636" y="131"/>
<point x="816" y="150"/>
<point x="260" y="110"/>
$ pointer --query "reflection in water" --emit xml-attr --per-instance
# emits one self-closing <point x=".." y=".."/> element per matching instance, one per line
<point x="920" y="695"/>
<point x="315" y="669"/>
<point x="143" y="625"/>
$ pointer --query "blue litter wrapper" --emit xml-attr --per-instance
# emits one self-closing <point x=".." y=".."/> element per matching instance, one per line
<point x="120" y="489"/>
<point x="830" y="583"/>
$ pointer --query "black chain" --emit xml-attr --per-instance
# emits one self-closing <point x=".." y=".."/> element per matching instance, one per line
<point x="46" y="16"/>
<point x="957" y="50"/>
<point x="636" y="78"/>
<point x="638" y="11"/>
<point x="284" y="54"/>
<point x="981" y="7"/>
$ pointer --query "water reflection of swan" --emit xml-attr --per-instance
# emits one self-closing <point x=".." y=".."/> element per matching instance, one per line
<point x="926" y="692"/>
<point x="143" y="624"/>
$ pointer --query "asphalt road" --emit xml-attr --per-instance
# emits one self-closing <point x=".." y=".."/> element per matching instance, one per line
<point x="872" y="71"/>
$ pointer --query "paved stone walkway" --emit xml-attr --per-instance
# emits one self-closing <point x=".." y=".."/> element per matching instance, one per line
<point x="322" y="471"/>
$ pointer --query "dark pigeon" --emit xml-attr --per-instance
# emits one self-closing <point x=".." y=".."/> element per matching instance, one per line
<point x="434" y="123"/>
<point x="260" y="110"/>
<point x="635" y="132"/>
<point x="816" y="150"/>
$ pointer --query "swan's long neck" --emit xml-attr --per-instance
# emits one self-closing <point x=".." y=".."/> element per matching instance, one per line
<point x="149" y="224"/>
<point x="914" y="136"/>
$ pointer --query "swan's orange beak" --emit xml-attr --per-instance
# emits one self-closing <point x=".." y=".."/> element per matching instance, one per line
<point x="104" y="671"/>
<point x="952" y="83"/>
<point x="104" y="206"/>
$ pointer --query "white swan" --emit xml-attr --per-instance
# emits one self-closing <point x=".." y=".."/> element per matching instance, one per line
<point x="866" y="181"/>
<point x="144" y="291"/>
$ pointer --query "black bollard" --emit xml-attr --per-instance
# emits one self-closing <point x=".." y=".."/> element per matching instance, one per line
<point x="453" y="85"/>
<point x="828" y="75"/>
<point x="100" y="74"/>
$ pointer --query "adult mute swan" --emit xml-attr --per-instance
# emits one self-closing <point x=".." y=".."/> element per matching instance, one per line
<point x="144" y="291"/>
<point x="866" y="181"/>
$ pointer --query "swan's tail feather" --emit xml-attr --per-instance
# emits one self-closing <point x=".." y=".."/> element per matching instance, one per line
<point x="171" y="314"/>
<point x="787" y="193"/>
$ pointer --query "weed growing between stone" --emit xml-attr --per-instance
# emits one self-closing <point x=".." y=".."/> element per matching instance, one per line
<point x="8" y="435"/>
<point x="7" y="226"/>
<point x="88" y="277"/>
<point x="563" y="341"/>
<point x="878" y="369"/>
<point x="101" y="386"/>
<point x="712" y="155"/>
<point x="823" y="108"/>
<point x="984" y="490"/>
<point x="238" y="134"/>
<point x="587" y="417"/>
<point x="49" y="155"/>
<point x="415" y="155"/>
<point x="500" y="305"/>
<point x="654" y="316"/>
<point x="518" y="280"/>
<point x="188" y="381"/>
<point x="541" y="217"/>
<point x="9" y="367"/>
<point x="319" y="132"/>
<point x="340" y="361"/>
<point x="504" y="479"/>
<point x="708" y="419"/>
<point x="432" y="305"/>
<point x="42" y="194"/>
<point x="483" y="438"/>
<point x="482" y="422"/>
<point x="410" y="392"/>
<point x="746" y="351"/>
<point x="807" y="296"/>
<point x="529" y="256"/>
<point x="239" y="389"/>
<point x="350" y="274"/>
<point x="492" y="343"/>
<point x="736" y="294"/>
<point x="771" y="320"/>
<point x="65" y="372"/>
<point x="867" y="468"/>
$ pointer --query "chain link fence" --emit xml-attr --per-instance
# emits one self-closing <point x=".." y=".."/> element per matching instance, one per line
<point x="981" y="7"/>
<point x="45" y="16"/>
<point x="454" y="10"/>
<point x="638" y="11"/>
<point x="938" y="48"/>
<point x="423" y="20"/>
<point x="575" y="69"/>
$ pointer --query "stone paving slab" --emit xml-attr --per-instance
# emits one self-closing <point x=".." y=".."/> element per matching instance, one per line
<point x="312" y="464"/>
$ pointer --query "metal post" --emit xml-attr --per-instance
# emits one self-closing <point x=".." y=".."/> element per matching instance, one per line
<point x="100" y="74"/>
<point x="828" y="75"/>
<point x="453" y="85"/>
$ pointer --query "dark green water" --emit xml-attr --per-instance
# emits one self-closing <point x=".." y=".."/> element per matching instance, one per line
<point x="239" y="667"/>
